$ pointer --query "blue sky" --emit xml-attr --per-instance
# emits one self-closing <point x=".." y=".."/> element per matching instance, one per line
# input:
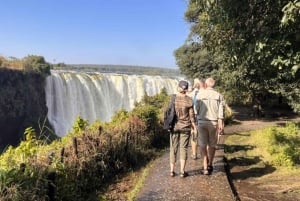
<point x="127" y="32"/>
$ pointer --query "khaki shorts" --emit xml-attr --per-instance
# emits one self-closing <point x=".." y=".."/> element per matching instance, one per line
<point x="208" y="134"/>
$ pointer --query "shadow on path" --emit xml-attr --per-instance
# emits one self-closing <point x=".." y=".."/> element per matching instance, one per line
<point x="159" y="186"/>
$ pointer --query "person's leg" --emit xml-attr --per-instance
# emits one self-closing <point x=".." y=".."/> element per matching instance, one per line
<point x="204" y="156"/>
<point x="211" y="148"/>
<point x="184" y="143"/>
<point x="194" y="146"/>
<point x="194" y="143"/>
<point x="174" y="140"/>
<point x="203" y="141"/>
<point x="211" y="155"/>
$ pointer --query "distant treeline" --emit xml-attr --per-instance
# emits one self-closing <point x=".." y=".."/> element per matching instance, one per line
<point x="122" y="69"/>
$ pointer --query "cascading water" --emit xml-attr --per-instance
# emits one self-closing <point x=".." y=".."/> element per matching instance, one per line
<point x="96" y="96"/>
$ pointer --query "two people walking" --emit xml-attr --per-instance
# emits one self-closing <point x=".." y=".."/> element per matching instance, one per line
<point x="199" y="115"/>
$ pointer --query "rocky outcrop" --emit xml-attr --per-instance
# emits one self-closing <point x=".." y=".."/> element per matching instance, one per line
<point x="22" y="104"/>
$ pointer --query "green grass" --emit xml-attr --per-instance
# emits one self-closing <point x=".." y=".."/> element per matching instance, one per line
<point x="274" y="146"/>
<point x="139" y="183"/>
<point x="280" y="145"/>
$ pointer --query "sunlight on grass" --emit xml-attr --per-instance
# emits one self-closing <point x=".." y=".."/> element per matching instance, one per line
<point x="274" y="146"/>
<point x="279" y="146"/>
<point x="267" y="158"/>
<point x="139" y="183"/>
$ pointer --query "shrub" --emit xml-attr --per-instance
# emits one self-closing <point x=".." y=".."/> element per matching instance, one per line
<point x="77" y="165"/>
<point x="280" y="145"/>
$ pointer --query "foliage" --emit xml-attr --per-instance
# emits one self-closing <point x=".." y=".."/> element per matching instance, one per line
<point x="32" y="63"/>
<point x="78" y="165"/>
<point x="19" y="177"/>
<point x="148" y="114"/>
<point x="194" y="61"/>
<point x="8" y="188"/>
<point x="276" y="146"/>
<point x="157" y="100"/>
<point x="158" y="104"/>
<point x="280" y="144"/>
<point x="120" y="116"/>
<point x="228" y="115"/>
<point x="254" y="48"/>
<point x="291" y="13"/>
<point x="79" y="125"/>
<point x="11" y="62"/>
<point x="37" y="64"/>
<point x="59" y="65"/>
<point x="22" y="153"/>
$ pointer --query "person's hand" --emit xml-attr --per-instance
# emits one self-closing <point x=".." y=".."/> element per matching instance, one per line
<point x="221" y="132"/>
<point x="194" y="127"/>
<point x="220" y="127"/>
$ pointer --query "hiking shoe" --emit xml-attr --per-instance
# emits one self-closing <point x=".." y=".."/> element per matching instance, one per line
<point x="184" y="174"/>
<point x="210" y="168"/>
<point x="205" y="172"/>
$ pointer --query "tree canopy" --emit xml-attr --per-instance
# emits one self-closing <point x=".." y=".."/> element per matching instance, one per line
<point x="37" y="63"/>
<point x="251" y="47"/>
<point x="29" y="63"/>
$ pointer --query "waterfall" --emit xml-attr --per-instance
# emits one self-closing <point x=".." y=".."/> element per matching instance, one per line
<point x="96" y="96"/>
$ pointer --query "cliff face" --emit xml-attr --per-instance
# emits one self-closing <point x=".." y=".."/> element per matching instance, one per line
<point x="22" y="104"/>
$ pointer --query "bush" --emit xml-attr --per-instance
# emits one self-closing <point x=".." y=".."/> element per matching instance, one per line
<point x="280" y="144"/>
<point x="77" y="165"/>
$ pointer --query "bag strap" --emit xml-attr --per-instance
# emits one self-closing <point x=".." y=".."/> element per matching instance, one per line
<point x="195" y="96"/>
<point x="173" y="99"/>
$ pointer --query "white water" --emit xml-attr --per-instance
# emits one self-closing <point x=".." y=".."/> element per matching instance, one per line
<point x="96" y="96"/>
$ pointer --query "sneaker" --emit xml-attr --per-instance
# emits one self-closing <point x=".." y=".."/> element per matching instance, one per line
<point x="194" y="157"/>
<point x="184" y="174"/>
<point x="205" y="172"/>
<point x="172" y="174"/>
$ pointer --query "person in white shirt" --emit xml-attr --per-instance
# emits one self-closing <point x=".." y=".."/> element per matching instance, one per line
<point x="210" y="114"/>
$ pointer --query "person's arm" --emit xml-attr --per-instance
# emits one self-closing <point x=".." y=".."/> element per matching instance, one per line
<point x="192" y="117"/>
<point x="221" y="115"/>
<point x="220" y="126"/>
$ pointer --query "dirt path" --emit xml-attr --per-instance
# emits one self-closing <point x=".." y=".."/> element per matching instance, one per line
<point x="196" y="187"/>
<point x="160" y="186"/>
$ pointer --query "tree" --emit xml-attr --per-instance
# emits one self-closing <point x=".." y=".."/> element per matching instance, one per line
<point x="194" y="61"/>
<point x="253" y="50"/>
<point x="290" y="22"/>
<point x="36" y="63"/>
